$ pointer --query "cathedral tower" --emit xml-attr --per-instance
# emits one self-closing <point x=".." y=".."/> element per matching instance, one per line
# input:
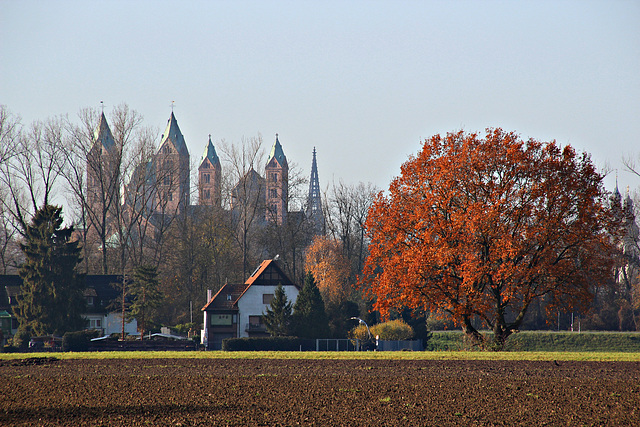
<point x="103" y="172"/>
<point x="172" y="170"/>
<point x="277" y="191"/>
<point x="210" y="177"/>
<point x="314" y="202"/>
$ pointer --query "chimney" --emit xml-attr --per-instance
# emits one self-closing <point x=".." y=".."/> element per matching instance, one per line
<point x="209" y="295"/>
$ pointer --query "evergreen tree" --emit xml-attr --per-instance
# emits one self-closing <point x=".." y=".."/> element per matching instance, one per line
<point x="145" y="295"/>
<point x="277" y="319"/>
<point x="51" y="299"/>
<point x="309" y="316"/>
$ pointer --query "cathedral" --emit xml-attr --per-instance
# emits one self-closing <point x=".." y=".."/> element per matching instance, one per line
<point x="161" y="186"/>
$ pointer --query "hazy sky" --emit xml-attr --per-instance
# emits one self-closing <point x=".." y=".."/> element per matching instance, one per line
<point x="362" y="81"/>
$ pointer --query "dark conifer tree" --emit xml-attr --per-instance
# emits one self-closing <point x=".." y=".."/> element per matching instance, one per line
<point x="145" y="296"/>
<point x="277" y="319"/>
<point x="309" y="316"/>
<point x="51" y="299"/>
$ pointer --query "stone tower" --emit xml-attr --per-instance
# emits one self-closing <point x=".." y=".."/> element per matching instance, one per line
<point x="314" y="202"/>
<point x="103" y="173"/>
<point x="277" y="185"/>
<point x="210" y="177"/>
<point x="172" y="170"/>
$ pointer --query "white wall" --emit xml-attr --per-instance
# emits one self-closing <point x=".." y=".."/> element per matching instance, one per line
<point x="251" y="303"/>
<point x="112" y="323"/>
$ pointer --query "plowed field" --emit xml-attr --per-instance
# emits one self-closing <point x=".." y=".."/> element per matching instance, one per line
<point x="190" y="392"/>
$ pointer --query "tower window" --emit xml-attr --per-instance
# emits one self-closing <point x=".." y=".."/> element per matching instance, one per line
<point x="207" y="178"/>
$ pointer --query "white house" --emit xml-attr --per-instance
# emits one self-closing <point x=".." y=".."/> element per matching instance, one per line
<point x="236" y="310"/>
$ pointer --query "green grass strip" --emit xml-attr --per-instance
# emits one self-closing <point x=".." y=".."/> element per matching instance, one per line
<point x="330" y="355"/>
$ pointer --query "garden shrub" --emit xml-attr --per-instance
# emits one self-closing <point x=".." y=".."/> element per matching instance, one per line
<point x="77" y="341"/>
<point x="393" y="330"/>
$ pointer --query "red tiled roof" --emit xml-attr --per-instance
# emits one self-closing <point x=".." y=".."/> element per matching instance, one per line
<point x="228" y="296"/>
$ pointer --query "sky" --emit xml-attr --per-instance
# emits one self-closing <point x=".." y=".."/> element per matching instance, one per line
<point x="364" y="82"/>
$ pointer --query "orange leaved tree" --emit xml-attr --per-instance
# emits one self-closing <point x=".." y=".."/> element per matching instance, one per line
<point x="330" y="268"/>
<point x="479" y="227"/>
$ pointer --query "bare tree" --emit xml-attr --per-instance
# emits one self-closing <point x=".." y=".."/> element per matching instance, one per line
<point x="346" y="210"/>
<point x="247" y="196"/>
<point x="10" y="133"/>
<point x="29" y="174"/>
<point x="290" y="238"/>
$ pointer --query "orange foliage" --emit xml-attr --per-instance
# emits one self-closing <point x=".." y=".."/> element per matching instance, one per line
<point x="480" y="227"/>
<point x="330" y="268"/>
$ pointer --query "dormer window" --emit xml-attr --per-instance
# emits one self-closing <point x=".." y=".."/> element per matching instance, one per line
<point x="229" y="297"/>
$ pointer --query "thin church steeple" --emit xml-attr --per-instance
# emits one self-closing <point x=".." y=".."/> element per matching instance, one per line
<point x="314" y="201"/>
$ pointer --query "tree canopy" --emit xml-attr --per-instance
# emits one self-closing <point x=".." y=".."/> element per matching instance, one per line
<point x="51" y="299"/>
<point x="479" y="227"/>
<point x="309" y="316"/>
<point x="277" y="319"/>
<point x="146" y="295"/>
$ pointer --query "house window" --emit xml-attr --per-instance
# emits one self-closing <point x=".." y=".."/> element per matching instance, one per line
<point x="267" y="298"/>
<point x="170" y="197"/>
<point x="95" y="323"/>
<point x="90" y="301"/>
<point x="274" y="177"/>
<point x="273" y="193"/>
<point x="221" y="319"/>
<point x="255" y="321"/>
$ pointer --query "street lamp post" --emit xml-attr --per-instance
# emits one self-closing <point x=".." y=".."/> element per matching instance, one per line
<point x="363" y="323"/>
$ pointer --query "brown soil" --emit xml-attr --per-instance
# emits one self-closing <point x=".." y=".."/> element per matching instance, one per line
<point x="318" y="392"/>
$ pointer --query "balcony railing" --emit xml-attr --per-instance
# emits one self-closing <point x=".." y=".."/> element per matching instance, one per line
<point x="256" y="327"/>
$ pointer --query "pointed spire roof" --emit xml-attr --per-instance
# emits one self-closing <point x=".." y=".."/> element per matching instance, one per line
<point x="103" y="134"/>
<point x="210" y="153"/>
<point x="173" y="133"/>
<point x="314" y="202"/>
<point x="276" y="151"/>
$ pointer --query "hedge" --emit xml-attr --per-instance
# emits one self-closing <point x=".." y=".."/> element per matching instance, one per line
<point x="77" y="341"/>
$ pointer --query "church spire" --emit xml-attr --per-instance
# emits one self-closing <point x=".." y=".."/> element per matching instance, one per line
<point x="314" y="202"/>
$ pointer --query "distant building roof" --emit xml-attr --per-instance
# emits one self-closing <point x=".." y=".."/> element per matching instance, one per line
<point x="277" y="153"/>
<point x="103" y="134"/>
<point x="210" y="154"/>
<point x="172" y="132"/>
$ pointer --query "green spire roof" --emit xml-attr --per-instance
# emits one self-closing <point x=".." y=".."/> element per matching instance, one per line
<point x="172" y="132"/>
<point x="210" y="153"/>
<point x="103" y="134"/>
<point x="276" y="151"/>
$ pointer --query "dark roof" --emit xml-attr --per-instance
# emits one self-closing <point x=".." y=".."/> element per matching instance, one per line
<point x="221" y="300"/>
<point x="277" y="153"/>
<point x="99" y="286"/>
<point x="210" y="154"/>
<point x="103" y="135"/>
<point x="173" y="133"/>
